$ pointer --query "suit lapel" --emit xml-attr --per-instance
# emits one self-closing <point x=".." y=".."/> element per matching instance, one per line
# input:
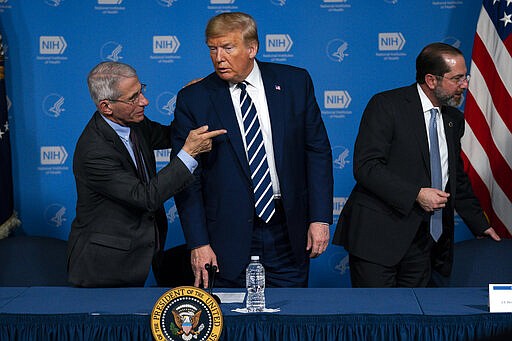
<point x="452" y="158"/>
<point x="223" y="105"/>
<point x="274" y="92"/>
<point x="146" y="151"/>
<point x="111" y="137"/>
<point x="417" y="123"/>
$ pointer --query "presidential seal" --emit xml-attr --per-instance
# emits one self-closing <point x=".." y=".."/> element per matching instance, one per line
<point x="186" y="313"/>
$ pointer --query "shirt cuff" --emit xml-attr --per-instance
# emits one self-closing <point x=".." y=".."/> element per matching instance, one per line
<point x="188" y="160"/>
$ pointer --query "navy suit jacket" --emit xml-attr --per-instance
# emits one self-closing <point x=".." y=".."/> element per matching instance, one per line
<point x="218" y="209"/>
<point x="391" y="163"/>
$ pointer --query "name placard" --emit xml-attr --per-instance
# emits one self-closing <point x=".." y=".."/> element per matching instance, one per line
<point x="500" y="298"/>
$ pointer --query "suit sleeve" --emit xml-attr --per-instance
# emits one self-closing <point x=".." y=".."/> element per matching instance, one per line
<point x="318" y="161"/>
<point x="190" y="201"/>
<point x="371" y="155"/>
<point x="106" y="171"/>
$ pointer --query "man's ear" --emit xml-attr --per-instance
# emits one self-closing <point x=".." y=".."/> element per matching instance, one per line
<point x="253" y="49"/>
<point x="104" y="107"/>
<point x="431" y="81"/>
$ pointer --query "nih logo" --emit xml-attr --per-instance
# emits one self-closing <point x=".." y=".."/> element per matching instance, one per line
<point x="278" y="43"/>
<point x="393" y="41"/>
<point x="338" y="203"/>
<point x="53" y="155"/>
<point x="52" y="45"/>
<point x="165" y="44"/>
<point x="162" y="155"/>
<point x="336" y="99"/>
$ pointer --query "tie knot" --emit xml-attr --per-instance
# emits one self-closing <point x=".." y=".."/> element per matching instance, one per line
<point x="242" y="85"/>
<point x="433" y="112"/>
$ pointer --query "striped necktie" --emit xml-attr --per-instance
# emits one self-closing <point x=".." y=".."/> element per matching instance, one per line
<point x="260" y="172"/>
<point x="436" y="220"/>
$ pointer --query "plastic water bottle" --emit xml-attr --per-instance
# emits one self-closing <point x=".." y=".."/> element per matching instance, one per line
<point x="255" y="283"/>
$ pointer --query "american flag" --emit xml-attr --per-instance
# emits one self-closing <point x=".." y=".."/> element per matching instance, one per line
<point x="8" y="218"/>
<point x="487" y="142"/>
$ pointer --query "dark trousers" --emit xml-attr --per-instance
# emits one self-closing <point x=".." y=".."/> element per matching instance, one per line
<point x="413" y="270"/>
<point x="270" y="241"/>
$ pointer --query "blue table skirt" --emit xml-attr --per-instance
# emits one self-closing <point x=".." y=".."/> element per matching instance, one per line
<point x="265" y="327"/>
<point x="306" y="314"/>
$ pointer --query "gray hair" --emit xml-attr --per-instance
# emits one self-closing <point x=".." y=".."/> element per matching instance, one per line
<point x="104" y="78"/>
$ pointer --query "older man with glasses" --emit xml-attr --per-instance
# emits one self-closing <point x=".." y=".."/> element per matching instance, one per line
<point x="120" y="227"/>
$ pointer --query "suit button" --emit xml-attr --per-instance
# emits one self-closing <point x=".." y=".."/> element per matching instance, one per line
<point x="151" y="217"/>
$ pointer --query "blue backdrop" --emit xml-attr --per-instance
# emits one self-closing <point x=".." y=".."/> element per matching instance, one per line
<point x="352" y="49"/>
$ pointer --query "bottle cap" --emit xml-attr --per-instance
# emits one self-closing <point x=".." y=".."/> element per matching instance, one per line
<point x="255" y="257"/>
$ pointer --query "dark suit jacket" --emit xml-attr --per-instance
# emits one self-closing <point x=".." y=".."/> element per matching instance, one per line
<point x="218" y="209"/>
<point x="112" y="239"/>
<point x="391" y="164"/>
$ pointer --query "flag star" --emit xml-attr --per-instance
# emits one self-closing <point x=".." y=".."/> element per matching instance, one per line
<point x="506" y="19"/>
<point x="1" y="134"/>
<point x="6" y="125"/>
<point x="509" y="2"/>
<point x="495" y="1"/>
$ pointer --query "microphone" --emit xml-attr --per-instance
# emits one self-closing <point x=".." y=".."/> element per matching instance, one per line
<point x="212" y="269"/>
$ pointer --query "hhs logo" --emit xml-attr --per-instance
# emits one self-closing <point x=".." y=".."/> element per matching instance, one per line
<point x="278" y="43"/>
<point x="52" y="45"/>
<point x="172" y="214"/>
<point x="166" y="3"/>
<point x="340" y="157"/>
<point x="53" y="155"/>
<point x="166" y="103"/>
<point x="337" y="50"/>
<point x="55" y="215"/>
<point x="165" y="44"/>
<point x="336" y="99"/>
<point x="111" y="51"/>
<point x="393" y="41"/>
<point x="52" y="3"/>
<point x="52" y="105"/>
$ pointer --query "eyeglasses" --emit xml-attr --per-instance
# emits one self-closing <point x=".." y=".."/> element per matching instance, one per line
<point x="458" y="79"/>
<point x="134" y="99"/>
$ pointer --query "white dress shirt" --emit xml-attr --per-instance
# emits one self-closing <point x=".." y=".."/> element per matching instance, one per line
<point x="256" y="90"/>
<point x="443" y="147"/>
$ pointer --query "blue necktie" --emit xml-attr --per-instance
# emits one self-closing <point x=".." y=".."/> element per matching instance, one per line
<point x="436" y="177"/>
<point x="260" y="172"/>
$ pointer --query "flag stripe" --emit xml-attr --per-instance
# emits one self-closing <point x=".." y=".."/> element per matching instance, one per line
<point x="488" y="120"/>
<point x="487" y="141"/>
<point x="499" y="167"/>
<point x="482" y="192"/>
<point x="500" y="95"/>
<point x="480" y="164"/>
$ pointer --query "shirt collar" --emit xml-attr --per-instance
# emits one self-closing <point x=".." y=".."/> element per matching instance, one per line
<point x="122" y="131"/>
<point x="254" y="78"/>
<point x="426" y="104"/>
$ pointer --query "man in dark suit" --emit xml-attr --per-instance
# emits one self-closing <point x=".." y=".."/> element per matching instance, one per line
<point x="222" y="214"/>
<point x="389" y="223"/>
<point x="120" y="225"/>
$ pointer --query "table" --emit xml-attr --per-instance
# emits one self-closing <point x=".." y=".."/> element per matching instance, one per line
<point x="65" y="313"/>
